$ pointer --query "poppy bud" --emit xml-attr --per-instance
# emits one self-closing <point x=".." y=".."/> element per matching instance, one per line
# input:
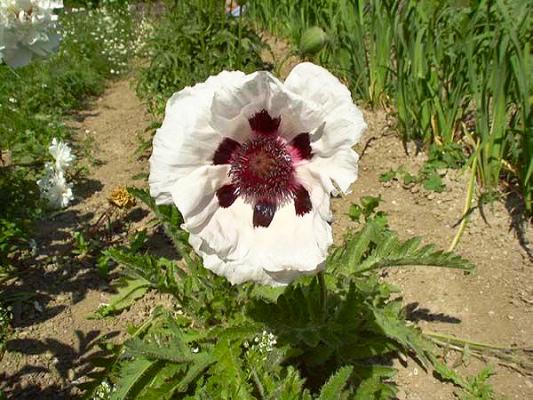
<point x="312" y="41"/>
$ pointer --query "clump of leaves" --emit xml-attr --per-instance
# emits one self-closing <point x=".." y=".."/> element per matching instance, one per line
<point x="366" y="209"/>
<point x="430" y="175"/>
<point x="330" y="336"/>
<point x="475" y="387"/>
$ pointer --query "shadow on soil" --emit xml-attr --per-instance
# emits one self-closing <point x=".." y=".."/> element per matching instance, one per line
<point x="64" y="360"/>
<point x="519" y="222"/>
<point x="416" y="313"/>
<point x="60" y="271"/>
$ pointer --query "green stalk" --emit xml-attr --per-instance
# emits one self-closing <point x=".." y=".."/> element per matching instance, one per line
<point x="468" y="200"/>
<point x="323" y="294"/>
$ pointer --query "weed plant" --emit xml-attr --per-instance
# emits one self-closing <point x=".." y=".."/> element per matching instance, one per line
<point x="35" y="101"/>
<point x="455" y="71"/>
<point x="331" y="336"/>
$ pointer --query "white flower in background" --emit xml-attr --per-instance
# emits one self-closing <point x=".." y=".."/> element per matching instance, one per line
<point x="62" y="154"/>
<point x="27" y="28"/>
<point x="234" y="9"/>
<point x="251" y="163"/>
<point x="53" y="185"/>
<point x="55" y="188"/>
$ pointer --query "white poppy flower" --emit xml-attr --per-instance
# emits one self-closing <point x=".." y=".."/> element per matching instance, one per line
<point x="251" y="163"/>
<point x="62" y="154"/>
<point x="27" y="29"/>
<point x="55" y="188"/>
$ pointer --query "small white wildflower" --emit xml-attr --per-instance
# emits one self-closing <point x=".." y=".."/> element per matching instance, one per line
<point x="55" y="188"/>
<point x="62" y="154"/>
<point x="103" y="391"/>
<point x="263" y="344"/>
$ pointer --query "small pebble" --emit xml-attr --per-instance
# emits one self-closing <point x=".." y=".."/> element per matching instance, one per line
<point x="37" y="306"/>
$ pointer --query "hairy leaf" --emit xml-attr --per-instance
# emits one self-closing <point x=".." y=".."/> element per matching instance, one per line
<point x="128" y="291"/>
<point x="133" y="376"/>
<point x="333" y="388"/>
<point x="375" y="247"/>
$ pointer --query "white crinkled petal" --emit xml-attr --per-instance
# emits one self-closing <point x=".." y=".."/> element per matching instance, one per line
<point x="292" y="245"/>
<point x="185" y="140"/>
<point x="234" y="105"/>
<point x="338" y="171"/>
<point x="342" y="121"/>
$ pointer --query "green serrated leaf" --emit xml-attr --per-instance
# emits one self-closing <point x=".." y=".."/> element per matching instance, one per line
<point x="333" y="388"/>
<point x="128" y="291"/>
<point x="388" y="322"/>
<point x="228" y="370"/>
<point x="375" y="382"/>
<point x="132" y="377"/>
<point x="168" y="348"/>
<point x="448" y="374"/>
<point x="354" y="212"/>
<point x="433" y="182"/>
<point x="200" y="364"/>
<point x="388" y="176"/>
<point x="391" y="252"/>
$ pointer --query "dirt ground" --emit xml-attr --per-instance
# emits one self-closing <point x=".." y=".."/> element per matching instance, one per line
<point x="48" y="351"/>
<point x="53" y="336"/>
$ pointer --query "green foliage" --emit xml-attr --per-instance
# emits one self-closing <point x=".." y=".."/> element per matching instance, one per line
<point x="192" y="41"/>
<point x="475" y="387"/>
<point x="19" y="206"/>
<point x="128" y="291"/>
<point x="365" y="209"/>
<point x="429" y="176"/>
<point x="333" y="388"/>
<point x="321" y="337"/>
<point x="169" y="217"/>
<point x="35" y="101"/>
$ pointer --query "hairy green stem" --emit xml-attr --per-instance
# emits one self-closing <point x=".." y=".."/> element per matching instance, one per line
<point x="323" y="293"/>
<point x="459" y="341"/>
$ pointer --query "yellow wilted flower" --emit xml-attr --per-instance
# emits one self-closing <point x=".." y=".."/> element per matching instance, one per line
<point x="121" y="198"/>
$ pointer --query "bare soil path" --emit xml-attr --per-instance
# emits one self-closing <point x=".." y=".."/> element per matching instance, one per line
<point x="53" y="336"/>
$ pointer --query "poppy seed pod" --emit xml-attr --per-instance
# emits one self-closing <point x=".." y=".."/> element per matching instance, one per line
<point x="313" y="40"/>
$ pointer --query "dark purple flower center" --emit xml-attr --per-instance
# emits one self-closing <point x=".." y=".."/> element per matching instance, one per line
<point x="263" y="169"/>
